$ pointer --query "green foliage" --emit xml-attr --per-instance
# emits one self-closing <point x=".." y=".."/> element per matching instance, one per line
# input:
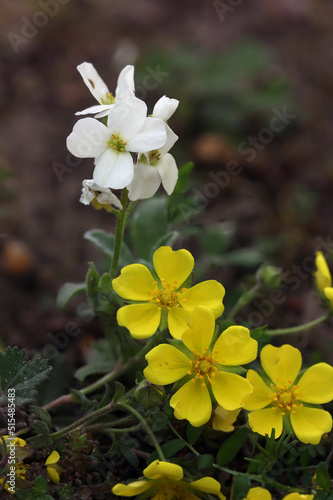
<point x="231" y="446"/>
<point x="104" y="241"/>
<point x="67" y="292"/>
<point x="147" y="226"/>
<point x="16" y="372"/>
<point x="38" y="492"/>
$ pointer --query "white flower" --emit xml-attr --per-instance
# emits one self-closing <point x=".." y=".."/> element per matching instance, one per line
<point x="156" y="167"/>
<point x="98" y="196"/>
<point x="125" y="88"/>
<point x="165" y="108"/>
<point x="128" y="130"/>
<point x="161" y="168"/>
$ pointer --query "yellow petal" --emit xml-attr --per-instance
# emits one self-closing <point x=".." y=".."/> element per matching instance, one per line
<point x="208" y="485"/>
<point x="322" y="274"/>
<point x="208" y="293"/>
<point x="310" y="424"/>
<point x="142" y="320"/>
<point x="177" y="321"/>
<point x="192" y="401"/>
<point x="158" y="469"/>
<point x="166" y="365"/>
<point x="173" y="265"/>
<point x="258" y="493"/>
<point x="202" y="325"/>
<point x="14" y="440"/>
<point x="132" y="489"/>
<point x="235" y="347"/>
<point x="223" y="420"/>
<point x="230" y="390"/>
<point x="261" y="392"/>
<point x="316" y="384"/>
<point x="134" y="282"/>
<point x="53" y="458"/>
<point x="53" y="473"/>
<point x="263" y="421"/>
<point x="328" y="292"/>
<point x="297" y="496"/>
<point x="282" y="364"/>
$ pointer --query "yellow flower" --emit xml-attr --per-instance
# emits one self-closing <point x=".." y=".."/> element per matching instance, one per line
<point x="164" y="481"/>
<point x="259" y="493"/>
<point x="164" y="297"/>
<point x="203" y="364"/>
<point x="277" y="403"/>
<point x="16" y="449"/>
<point x="323" y="277"/>
<point x="53" y="469"/>
<point x="223" y="420"/>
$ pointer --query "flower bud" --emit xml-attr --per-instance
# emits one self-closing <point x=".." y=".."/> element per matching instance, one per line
<point x="269" y="277"/>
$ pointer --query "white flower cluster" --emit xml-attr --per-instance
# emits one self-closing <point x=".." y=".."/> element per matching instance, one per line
<point x="128" y="130"/>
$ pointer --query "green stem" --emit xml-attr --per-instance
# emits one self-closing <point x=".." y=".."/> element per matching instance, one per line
<point x="145" y="425"/>
<point x="120" y="227"/>
<point x="119" y="369"/>
<point x="300" y="328"/>
<point x="243" y="300"/>
<point x="224" y="469"/>
<point x="81" y="421"/>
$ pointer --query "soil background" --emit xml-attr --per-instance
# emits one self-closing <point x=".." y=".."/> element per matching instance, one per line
<point x="281" y="201"/>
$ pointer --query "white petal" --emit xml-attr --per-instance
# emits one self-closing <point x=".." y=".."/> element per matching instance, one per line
<point x="168" y="171"/>
<point x="86" y="195"/>
<point x="170" y="141"/>
<point x="91" y="190"/>
<point x="145" y="183"/>
<point x="113" y="169"/>
<point x="151" y="136"/>
<point x="88" y="139"/>
<point x="98" y="108"/>
<point x="108" y="198"/>
<point x="93" y="81"/>
<point x="125" y="84"/>
<point x="127" y="117"/>
<point x="165" y="108"/>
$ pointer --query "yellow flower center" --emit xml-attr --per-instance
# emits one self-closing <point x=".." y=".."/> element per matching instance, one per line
<point x="154" y="157"/>
<point x="203" y="367"/>
<point x="286" y="398"/>
<point x="117" y="143"/>
<point x="171" y="491"/>
<point x="166" y="296"/>
<point x="109" y="99"/>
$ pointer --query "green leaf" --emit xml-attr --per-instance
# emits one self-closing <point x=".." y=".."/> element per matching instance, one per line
<point x="40" y="441"/>
<point x="323" y="477"/>
<point x="193" y="434"/>
<point x="241" y="487"/>
<point x="92" y="281"/>
<point x="67" y="292"/>
<point x="147" y="225"/>
<point x="231" y="446"/>
<point x="170" y="448"/>
<point x="119" y="392"/>
<point x="205" y="461"/>
<point x="166" y="240"/>
<point x="42" y="414"/>
<point x="87" y="404"/>
<point x="92" y="368"/>
<point x="16" y="372"/>
<point x="40" y="427"/>
<point x="105" y="242"/>
<point x="183" y="174"/>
